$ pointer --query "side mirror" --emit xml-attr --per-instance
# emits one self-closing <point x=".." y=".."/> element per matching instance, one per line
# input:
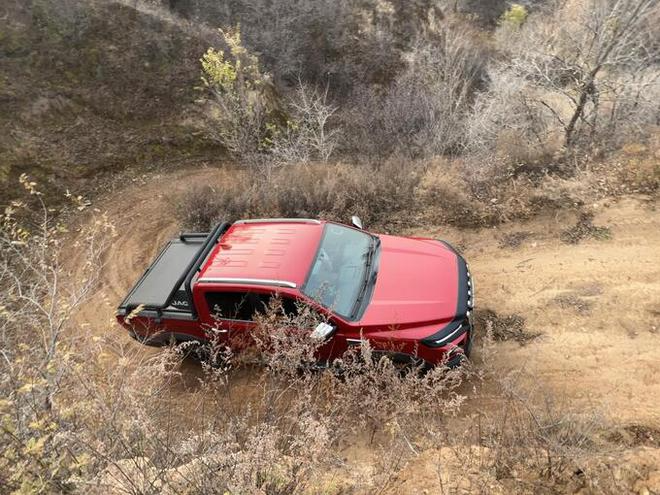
<point x="357" y="223"/>
<point x="323" y="331"/>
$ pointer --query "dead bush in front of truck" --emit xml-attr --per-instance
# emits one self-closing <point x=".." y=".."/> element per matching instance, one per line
<point x="366" y="387"/>
<point x="284" y="339"/>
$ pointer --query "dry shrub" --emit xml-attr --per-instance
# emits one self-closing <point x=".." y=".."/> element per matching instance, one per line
<point x="470" y="192"/>
<point x="532" y="436"/>
<point x="473" y="192"/>
<point x="503" y="119"/>
<point x="36" y="304"/>
<point x="584" y="229"/>
<point x="638" y="165"/>
<point x="334" y="192"/>
<point x="443" y="192"/>
<point x="202" y="207"/>
<point x="320" y="41"/>
<point x="585" y="179"/>
<point x="308" y="136"/>
<point x="207" y="440"/>
<point x="281" y="340"/>
<point x="502" y="328"/>
<point x="514" y="240"/>
<point x="438" y="95"/>
<point x="363" y="385"/>
<point x="400" y="81"/>
<point x="515" y="148"/>
<point x="389" y="400"/>
<point x="423" y="112"/>
<point x="635" y="434"/>
<point x="482" y="191"/>
<point x="276" y="434"/>
<point x="640" y="175"/>
<point x="575" y="302"/>
<point x="244" y="106"/>
<point x="247" y="115"/>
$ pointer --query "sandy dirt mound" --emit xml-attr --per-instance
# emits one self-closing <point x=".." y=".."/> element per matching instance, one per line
<point x="471" y="469"/>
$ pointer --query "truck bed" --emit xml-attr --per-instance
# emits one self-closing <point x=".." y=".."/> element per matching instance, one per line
<point x="165" y="285"/>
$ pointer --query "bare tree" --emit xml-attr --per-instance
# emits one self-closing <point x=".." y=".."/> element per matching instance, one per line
<point x="307" y="136"/>
<point x="583" y="73"/>
<point x="592" y="55"/>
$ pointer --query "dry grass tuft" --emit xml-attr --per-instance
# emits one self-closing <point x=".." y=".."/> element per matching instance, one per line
<point x="575" y="302"/>
<point x="504" y="328"/>
<point x="514" y="240"/>
<point x="585" y="229"/>
<point x="635" y="435"/>
<point x="335" y="192"/>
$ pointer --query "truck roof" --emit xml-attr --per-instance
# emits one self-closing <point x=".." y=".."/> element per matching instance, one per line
<point x="273" y="251"/>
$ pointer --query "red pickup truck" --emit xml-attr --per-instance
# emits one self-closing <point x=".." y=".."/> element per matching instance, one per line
<point x="411" y="298"/>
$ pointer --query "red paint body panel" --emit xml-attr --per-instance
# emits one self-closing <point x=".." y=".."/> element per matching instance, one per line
<point x="416" y="293"/>
<point x="416" y="285"/>
<point x="265" y="251"/>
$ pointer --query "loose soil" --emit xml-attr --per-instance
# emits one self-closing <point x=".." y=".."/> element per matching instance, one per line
<point x="592" y="308"/>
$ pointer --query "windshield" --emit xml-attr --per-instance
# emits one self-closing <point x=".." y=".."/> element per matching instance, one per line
<point x="340" y="270"/>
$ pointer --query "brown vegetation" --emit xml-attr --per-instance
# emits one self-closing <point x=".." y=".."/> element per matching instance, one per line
<point x="113" y="417"/>
<point x="501" y="328"/>
<point x="336" y="192"/>
<point x="583" y="229"/>
<point x="461" y="113"/>
<point x="388" y="194"/>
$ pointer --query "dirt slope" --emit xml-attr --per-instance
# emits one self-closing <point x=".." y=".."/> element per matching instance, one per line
<point x="595" y="303"/>
<point x="144" y="219"/>
<point x="88" y="87"/>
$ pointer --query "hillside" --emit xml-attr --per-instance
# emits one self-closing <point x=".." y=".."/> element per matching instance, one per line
<point x="527" y="135"/>
<point x="91" y="88"/>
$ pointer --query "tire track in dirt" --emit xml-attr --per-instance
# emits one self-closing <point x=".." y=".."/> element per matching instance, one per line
<point x="143" y="216"/>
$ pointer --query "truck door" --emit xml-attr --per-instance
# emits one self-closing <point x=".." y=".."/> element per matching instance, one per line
<point x="230" y="315"/>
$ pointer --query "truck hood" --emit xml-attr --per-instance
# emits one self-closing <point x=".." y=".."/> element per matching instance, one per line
<point x="417" y="284"/>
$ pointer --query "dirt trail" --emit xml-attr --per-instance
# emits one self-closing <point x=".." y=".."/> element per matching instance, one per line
<point x="144" y="219"/>
<point x="596" y="303"/>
